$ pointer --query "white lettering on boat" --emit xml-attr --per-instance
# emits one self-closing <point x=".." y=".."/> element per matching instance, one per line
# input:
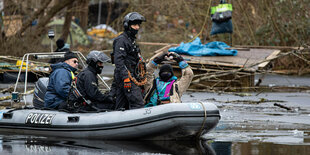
<point x="147" y="111"/>
<point x="195" y="106"/>
<point x="39" y="118"/>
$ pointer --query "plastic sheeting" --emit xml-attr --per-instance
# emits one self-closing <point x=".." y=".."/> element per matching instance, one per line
<point x="196" y="48"/>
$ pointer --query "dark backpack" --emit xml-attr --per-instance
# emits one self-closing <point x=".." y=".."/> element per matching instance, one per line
<point x="221" y="18"/>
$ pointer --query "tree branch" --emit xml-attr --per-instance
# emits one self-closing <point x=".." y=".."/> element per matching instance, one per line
<point x="35" y="15"/>
<point x="44" y="20"/>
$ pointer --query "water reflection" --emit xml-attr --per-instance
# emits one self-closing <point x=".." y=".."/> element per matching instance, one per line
<point x="259" y="148"/>
<point x="13" y="144"/>
<point x="222" y="148"/>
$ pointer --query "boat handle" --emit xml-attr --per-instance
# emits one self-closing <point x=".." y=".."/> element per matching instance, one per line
<point x="72" y="119"/>
<point x="7" y="115"/>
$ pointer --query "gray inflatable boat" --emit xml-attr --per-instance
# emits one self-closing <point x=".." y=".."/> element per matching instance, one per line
<point x="164" y="122"/>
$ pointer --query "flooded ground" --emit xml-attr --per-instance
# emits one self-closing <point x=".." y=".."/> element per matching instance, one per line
<point x="260" y="128"/>
<point x="251" y="123"/>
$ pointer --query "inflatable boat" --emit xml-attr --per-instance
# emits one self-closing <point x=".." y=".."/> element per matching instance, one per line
<point x="164" y="122"/>
<point x="171" y="121"/>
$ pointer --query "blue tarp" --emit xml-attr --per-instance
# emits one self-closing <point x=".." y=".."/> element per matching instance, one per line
<point x="196" y="48"/>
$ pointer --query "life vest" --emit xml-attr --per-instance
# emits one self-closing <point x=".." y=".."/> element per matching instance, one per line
<point x="161" y="92"/>
<point x="72" y="75"/>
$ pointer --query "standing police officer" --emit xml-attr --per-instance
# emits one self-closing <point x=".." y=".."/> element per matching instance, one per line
<point x="130" y="68"/>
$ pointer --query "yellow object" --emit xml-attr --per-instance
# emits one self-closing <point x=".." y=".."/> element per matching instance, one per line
<point x="19" y="62"/>
<point x="102" y="33"/>
<point x="72" y="75"/>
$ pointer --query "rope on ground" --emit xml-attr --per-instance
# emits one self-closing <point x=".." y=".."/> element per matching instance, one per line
<point x="204" y="23"/>
<point x="203" y="122"/>
<point x="5" y="98"/>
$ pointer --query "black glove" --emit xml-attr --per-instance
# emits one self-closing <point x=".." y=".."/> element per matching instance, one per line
<point x="160" y="58"/>
<point x="176" y="57"/>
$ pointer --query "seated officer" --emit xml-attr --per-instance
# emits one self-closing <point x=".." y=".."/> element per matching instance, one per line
<point x="166" y="88"/>
<point x="60" y="82"/>
<point x="89" y="97"/>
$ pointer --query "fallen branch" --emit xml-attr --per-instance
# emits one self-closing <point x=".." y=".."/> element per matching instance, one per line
<point x="282" y="106"/>
<point x="7" y="89"/>
<point x="234" y="71"/>
<point x="262" y="100"/>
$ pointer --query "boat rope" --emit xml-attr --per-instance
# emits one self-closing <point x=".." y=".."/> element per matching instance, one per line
<point x="141" y="73"/>
<point x="204" y="23"/>
<point x="203" y="122"/>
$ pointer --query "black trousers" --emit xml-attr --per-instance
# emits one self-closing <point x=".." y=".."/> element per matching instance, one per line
<point x="100" y="106"/>
<point x="129" y="98"/>
<point x="93" y="107"/>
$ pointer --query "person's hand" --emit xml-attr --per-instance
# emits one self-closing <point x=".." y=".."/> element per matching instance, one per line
<point x="160" y="58"/>
<point x="127" y="83"/>
<point x="176" y="57"/>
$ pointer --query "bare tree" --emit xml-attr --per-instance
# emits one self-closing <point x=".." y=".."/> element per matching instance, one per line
<point x="67" y="23"/>
<point x="44" y="20"/>
<point x="34" y="16"/>
<point x="83" y="15"/>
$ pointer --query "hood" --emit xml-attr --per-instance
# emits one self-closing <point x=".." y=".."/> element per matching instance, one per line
<point x="62" y="65"/>
<point x="66" y="46"/>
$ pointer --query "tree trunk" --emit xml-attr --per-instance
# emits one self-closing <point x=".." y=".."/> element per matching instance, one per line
<point x="110" y="6"/>
<point x="44" y="20"/>
<point x="84" y="14"/>
<point x="67" y="23"/>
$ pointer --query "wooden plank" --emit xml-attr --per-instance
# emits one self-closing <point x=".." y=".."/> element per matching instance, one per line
<point x="219" y="64"/>
<point x="162" y="49"/>
<point x="273" y="55"/>
<point x="157" y="44"/>
<point x="238" y="47"/>
<point x="270" y="47"/>
<point x="243" y="59"/>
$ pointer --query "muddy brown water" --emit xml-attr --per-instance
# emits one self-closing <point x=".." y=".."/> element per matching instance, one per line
<point x="244" y="128"/>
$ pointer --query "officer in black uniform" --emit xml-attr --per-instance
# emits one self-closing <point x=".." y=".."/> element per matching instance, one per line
<point x="127" y="59"/>
<point x="87" y="85"/>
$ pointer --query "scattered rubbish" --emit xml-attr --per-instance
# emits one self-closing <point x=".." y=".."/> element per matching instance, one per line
<point x="5" y="90"/>
<point x="297" y="132"/>
<point x="271" y="85"/>
<point x="243" y="94"/>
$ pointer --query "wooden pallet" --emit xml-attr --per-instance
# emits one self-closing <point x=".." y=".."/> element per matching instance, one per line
<point x="247" y="59"/>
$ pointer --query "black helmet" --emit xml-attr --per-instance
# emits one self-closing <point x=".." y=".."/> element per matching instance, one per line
<point x="96" y="56"/>
<point x="132" y="16"/>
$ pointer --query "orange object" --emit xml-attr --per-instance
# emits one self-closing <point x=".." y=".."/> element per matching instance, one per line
<point x="127" y="80"/>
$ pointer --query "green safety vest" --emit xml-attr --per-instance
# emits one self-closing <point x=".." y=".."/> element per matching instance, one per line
<point x="221" y="8"/>
<point x="72" y="75"/>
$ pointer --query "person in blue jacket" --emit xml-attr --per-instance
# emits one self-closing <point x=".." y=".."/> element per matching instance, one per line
<point x="60" y="80"/>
